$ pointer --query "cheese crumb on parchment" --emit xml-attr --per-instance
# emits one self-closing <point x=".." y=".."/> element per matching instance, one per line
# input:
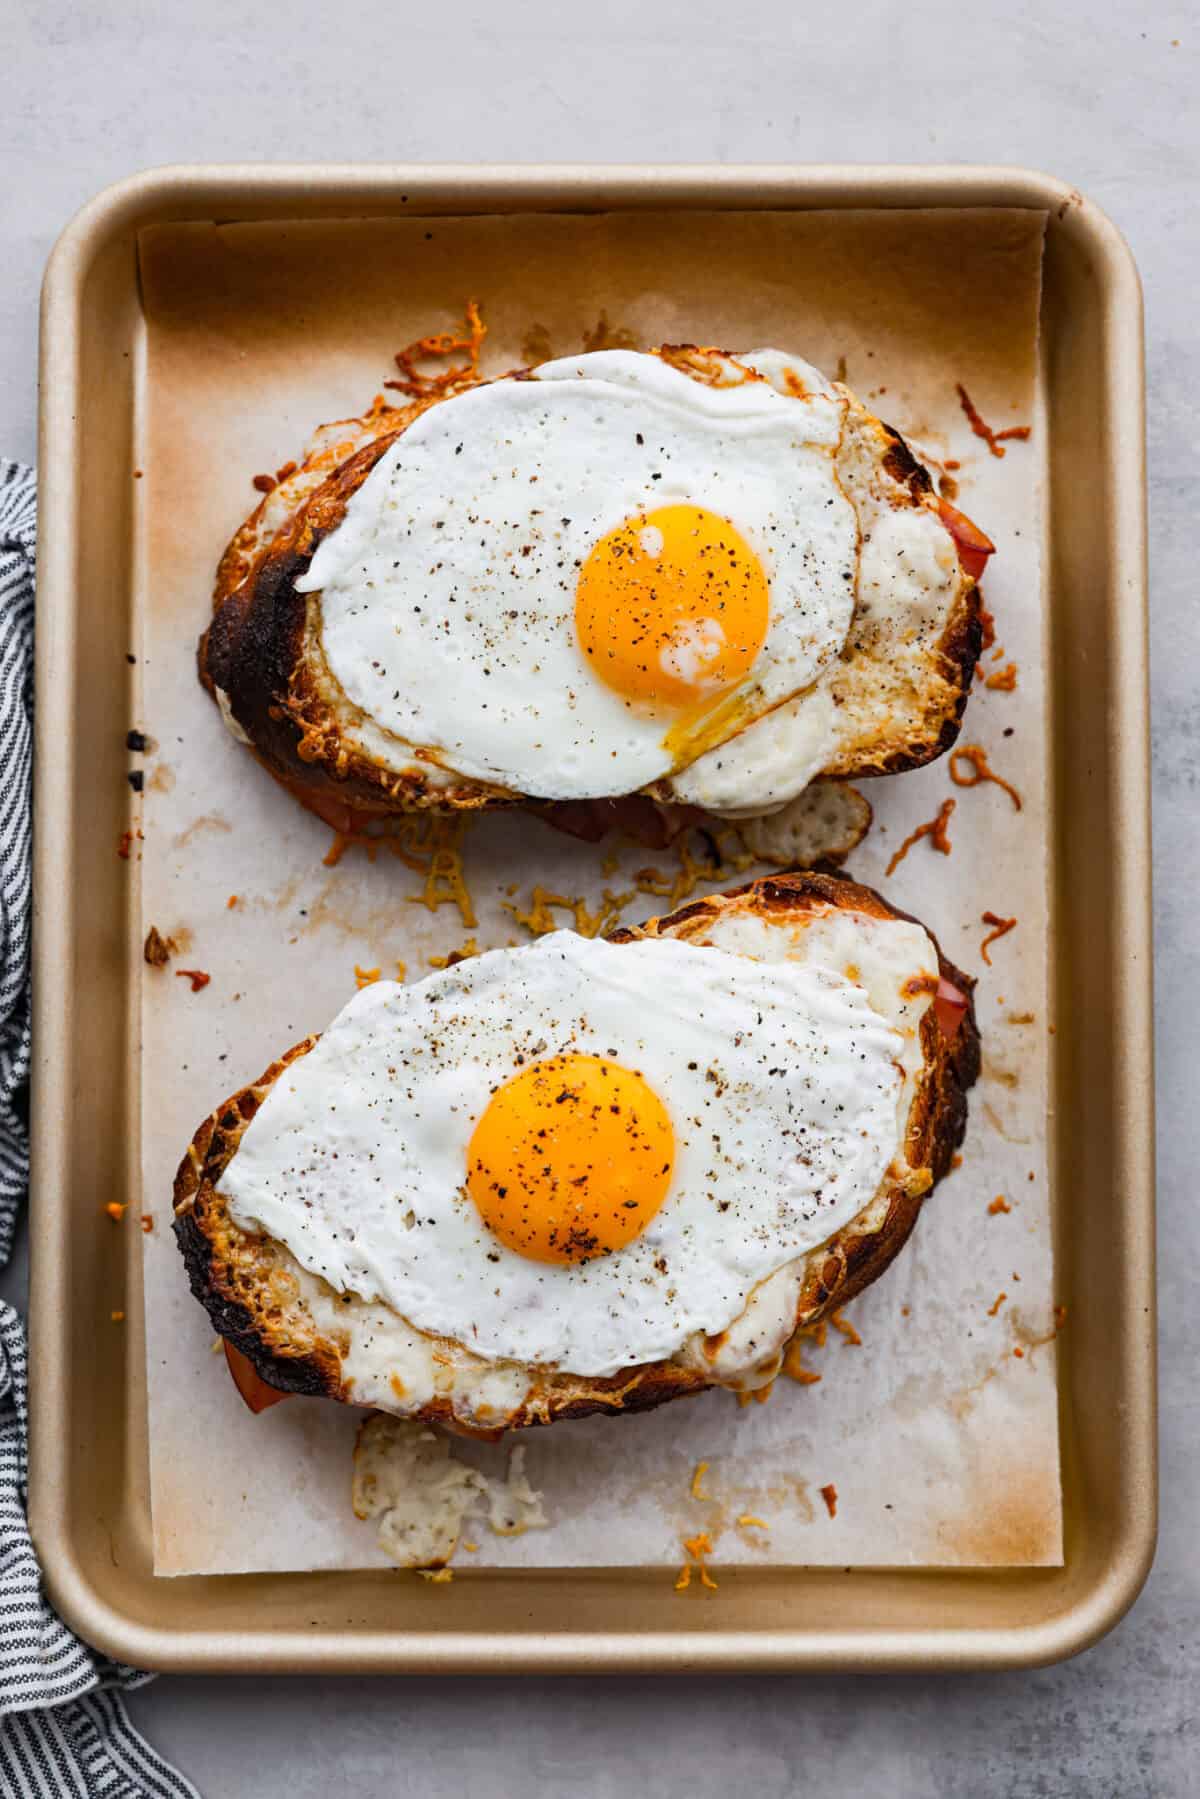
<point x="698" y="1549"/>
<point x="406" y="1477"/>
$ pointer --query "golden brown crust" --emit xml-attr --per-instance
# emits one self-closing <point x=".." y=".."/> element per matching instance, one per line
<point x="935" y="725"/>
<point x="249" y="1286"/>
<point x="254" y="651"/>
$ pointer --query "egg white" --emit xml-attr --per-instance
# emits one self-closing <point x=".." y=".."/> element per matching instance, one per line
<point x="782" y="1083"/>
<point x="447" y="593"/>
<point x="908" y="579"/>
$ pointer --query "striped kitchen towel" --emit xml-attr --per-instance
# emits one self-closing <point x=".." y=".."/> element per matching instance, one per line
<point x="64" y="1730"/>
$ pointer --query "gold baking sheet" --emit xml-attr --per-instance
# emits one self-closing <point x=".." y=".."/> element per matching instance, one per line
<point x="1092" y="410"/>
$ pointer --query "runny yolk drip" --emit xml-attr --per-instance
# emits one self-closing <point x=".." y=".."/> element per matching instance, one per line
<point x="672" y="608"/>
<point x="571" y="1159"/>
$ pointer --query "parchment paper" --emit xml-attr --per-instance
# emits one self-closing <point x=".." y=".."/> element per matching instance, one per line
<point x="939" y="1431"/>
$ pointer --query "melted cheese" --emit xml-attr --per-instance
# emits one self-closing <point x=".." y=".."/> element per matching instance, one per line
<point x="407" y="1477"/>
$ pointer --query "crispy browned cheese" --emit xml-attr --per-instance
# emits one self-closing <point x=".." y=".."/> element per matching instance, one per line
<point x="247" y="1281"/>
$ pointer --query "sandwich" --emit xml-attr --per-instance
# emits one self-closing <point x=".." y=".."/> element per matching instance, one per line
<point x="586" y="1176"/>
<point x="678" y="578"/>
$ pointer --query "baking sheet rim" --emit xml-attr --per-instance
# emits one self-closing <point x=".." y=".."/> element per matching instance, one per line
<point x="230" y="190"/>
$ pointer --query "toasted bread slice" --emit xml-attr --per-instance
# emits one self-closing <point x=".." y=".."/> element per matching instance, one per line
<point x="892" y="700"/>
<point x="304" y="1337"/>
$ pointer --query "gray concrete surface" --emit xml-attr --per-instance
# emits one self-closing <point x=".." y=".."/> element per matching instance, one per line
<point x="1101" y="96"/>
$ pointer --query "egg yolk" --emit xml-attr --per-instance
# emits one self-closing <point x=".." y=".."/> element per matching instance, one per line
<point x="671" y="607"/>
<point x="571" y="1159"/>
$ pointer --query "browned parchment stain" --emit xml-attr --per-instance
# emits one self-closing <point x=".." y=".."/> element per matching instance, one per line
<point x="992" y="1070"/>
<point x="1014" y="1515"/>
<point x="351" y="916"/>
<point x="604" y="336"/>
<point x="800" y="1495"/>
<point x="184" y="1535"/>
<point x="1013" y="1521"/>
<point x="537" y="346"/>
<point x="1026" y="1339"/>
<point x="724" y="1500"/>
<point x="998" y="1125"/>
<point x="161" y="778"/>
<point x="1029" y="1338"/>
<point x="208" y="821"/>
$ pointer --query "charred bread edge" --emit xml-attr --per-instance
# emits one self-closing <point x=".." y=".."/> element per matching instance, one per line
<point x="252" y="651"/>
<point x="837" y="1270"/>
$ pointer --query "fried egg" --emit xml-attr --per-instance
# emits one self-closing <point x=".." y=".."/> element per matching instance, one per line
<point x="577" y="1154"/>
<point x="572" y="584"/>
